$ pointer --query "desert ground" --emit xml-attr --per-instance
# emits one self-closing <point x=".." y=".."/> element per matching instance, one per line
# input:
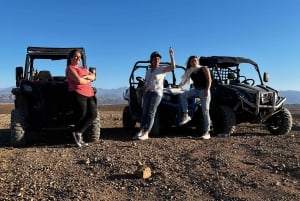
<point x="250" y="165"/>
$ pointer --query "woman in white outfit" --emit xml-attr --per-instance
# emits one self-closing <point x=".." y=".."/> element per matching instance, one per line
<point x="153" y="91"/>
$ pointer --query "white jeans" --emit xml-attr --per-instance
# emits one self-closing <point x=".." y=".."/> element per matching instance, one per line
<point x="205" y="102"/>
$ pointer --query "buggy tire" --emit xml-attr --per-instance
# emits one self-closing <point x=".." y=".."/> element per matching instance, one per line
<point x="280" y="123"/>
<point x="127" y="120"/>
<point x="223" y="120"/>
<point x="92" y="134"/>
<point x="17" y="128"/>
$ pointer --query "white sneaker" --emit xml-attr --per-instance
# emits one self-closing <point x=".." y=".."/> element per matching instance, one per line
<point x="205" y="136"/>
<point x="83" y="143"/>
<point x="78" y="139"/>
<point x="185" y="120"/>
<point x="144" y="136"/>
<point x="139" y="134"/>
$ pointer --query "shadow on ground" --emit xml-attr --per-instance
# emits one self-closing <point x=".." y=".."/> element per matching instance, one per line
<point x="66" y="139"/>
<point x="39" y="139"/>
<point x="115" y="134"/>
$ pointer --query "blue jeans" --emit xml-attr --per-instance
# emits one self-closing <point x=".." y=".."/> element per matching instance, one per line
<point x="151" y="101"/>
<point x="205" y="102"/>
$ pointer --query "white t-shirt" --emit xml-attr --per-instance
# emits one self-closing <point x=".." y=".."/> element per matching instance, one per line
<point x="154" y="80"/>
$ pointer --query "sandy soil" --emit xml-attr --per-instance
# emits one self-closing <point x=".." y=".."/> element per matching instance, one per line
<point x="252" y="166"/>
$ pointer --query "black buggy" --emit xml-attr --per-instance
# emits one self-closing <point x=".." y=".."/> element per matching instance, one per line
<point x="42" y="101"/>
<point x="239" y="95"/>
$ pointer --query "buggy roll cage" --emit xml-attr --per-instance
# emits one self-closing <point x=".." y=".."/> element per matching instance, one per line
<point x="223" y="62"/>
<point x="146" y="65"/>
<point x="53" y="53"/>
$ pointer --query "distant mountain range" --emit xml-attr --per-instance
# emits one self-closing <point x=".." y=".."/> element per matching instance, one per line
<point x="293" y="97"/>
<point x="104" y="96"/>
<point x="115" y="96"/>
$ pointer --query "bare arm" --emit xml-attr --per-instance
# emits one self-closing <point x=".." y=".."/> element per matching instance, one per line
<point x="185" y="78"/>
<point x="73" y="75"/>
<point x="208" y="78"/>
<point x="91" y="76"/>
<point x="172" y="66"/>
<point x="182" y="83"/>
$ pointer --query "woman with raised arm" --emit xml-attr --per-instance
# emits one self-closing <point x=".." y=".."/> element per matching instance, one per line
<point x="153" y="91"/>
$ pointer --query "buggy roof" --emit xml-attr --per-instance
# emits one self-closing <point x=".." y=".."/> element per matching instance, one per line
<point x="224" y="61"/>
<point x="54" y="53"/>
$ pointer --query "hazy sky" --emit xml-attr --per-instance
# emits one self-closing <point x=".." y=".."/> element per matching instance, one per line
<point x="117" y="33"/>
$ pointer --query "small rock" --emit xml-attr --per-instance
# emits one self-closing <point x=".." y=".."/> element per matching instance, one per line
<point x="278" y="183"/>
<point x="143" y="172"/>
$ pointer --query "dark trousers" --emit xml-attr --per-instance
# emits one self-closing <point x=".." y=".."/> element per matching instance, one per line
<point x="85" y="111"/>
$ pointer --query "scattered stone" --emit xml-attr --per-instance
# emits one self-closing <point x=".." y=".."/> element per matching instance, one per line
<point x="143" y="172"/>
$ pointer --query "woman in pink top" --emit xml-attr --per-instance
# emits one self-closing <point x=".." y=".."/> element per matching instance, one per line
<point x="79" y="81"/>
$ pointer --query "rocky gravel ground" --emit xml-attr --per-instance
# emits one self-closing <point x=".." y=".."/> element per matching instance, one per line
<point x="251" y="166"/>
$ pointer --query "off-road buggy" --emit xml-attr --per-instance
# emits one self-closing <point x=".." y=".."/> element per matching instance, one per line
<point x="235" y="99"/>
<point x="168" y="114"/>
<point x="239" y="95"/>
<point x="42" y="101"/>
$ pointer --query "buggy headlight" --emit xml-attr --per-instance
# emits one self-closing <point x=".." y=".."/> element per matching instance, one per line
<point x="266" y="97"/>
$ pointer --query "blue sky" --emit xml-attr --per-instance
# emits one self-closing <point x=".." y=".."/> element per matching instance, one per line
<point x="117" y="33"/>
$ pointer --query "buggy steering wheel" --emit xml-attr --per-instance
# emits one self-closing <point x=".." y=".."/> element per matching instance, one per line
<point x="140" y="79"/>
<point x="249" y="81"/>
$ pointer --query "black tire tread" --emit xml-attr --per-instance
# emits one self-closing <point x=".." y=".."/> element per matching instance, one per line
<point x="280" y="123"/>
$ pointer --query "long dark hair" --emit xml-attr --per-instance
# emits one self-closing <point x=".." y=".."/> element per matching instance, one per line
<point x="188" y="65"/>
<point x="71" y="55"/>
